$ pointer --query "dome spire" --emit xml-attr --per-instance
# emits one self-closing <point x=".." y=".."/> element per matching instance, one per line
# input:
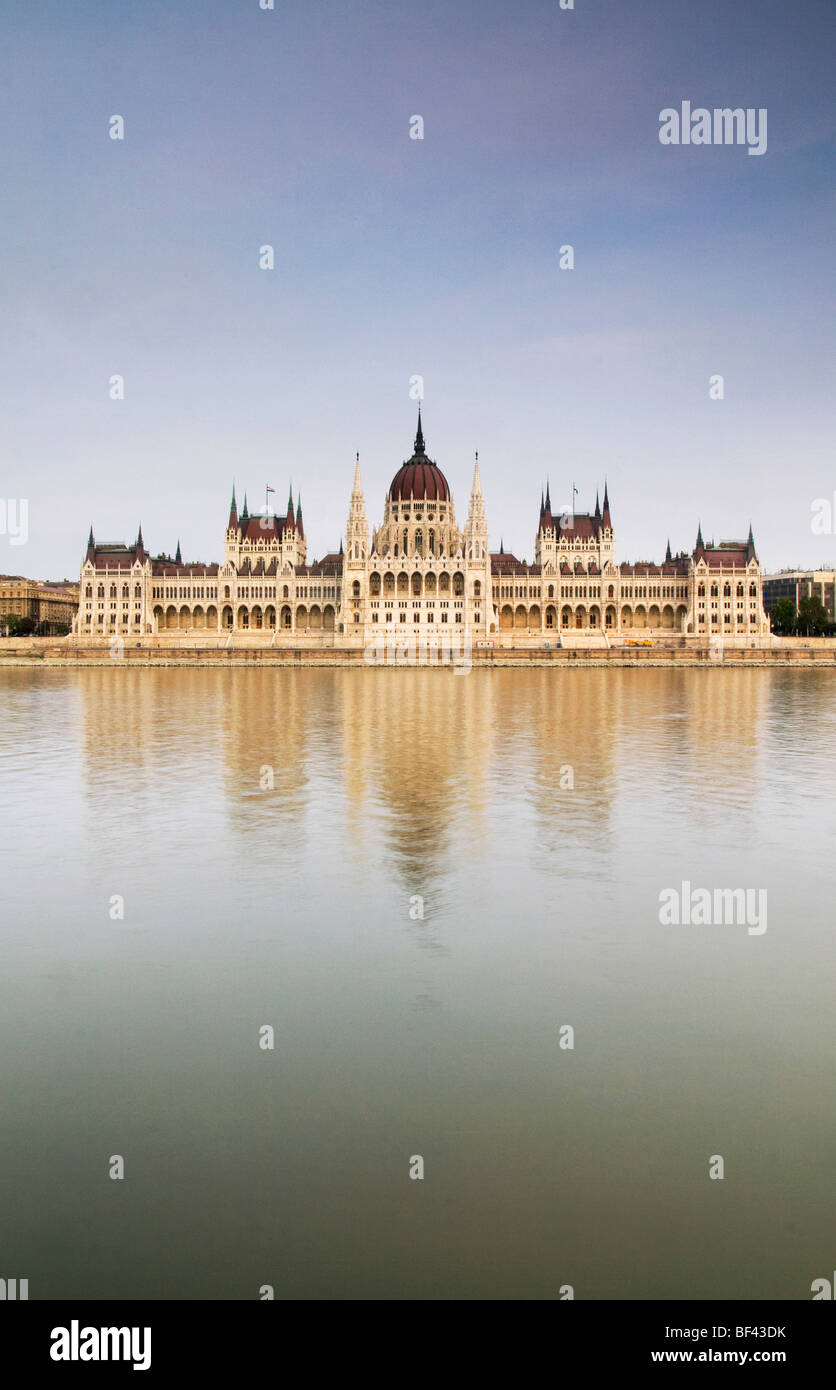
<point x="419" y="436"/>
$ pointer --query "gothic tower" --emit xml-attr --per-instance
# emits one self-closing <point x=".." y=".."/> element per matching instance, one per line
<point x="355" y="561"/>
<point x="477" y="555"/>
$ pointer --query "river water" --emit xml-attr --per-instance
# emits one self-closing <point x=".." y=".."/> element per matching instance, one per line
<point x="420" y="882"/>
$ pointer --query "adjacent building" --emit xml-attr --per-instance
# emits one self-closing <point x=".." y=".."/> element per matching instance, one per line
<point x="51" y="606"/>
<point x="420" y="571"/>
<point x="799" y="584"/>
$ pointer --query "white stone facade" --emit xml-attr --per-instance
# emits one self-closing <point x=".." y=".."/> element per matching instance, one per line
<point x="419" y="574"/>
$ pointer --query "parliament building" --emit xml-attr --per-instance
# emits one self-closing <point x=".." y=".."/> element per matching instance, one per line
<point x="420" y="571"/>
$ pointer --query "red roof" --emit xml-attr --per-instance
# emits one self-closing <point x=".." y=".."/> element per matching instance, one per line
<point x="717" y="558"/>
<point x="421" y="479"/>
<point x="584" y="527"/>
<point x="503" y="563"/>
<point x="262" y="528"/>
<point x="329" y="567"/>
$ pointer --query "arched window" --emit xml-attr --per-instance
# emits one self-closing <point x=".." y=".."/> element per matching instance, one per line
<point x="125" y="591"/>
<point x="611" y="592"/>
<point x="88" y="592"/>
<point x="727" y="590"/>
<point x="285" y="594"/>
<point x="740" y="591"/>
<point x="753" y="590"/>
<point x="551" y="591"/>
<point x="355" y="588"/>
<point x="477" y="589"/>
<point x="226" y="591"/>
<point x="113" y="591"/>
<point x="714" y="591"/>
<point x="701" y="591"/>
<point x="419" y="543"/>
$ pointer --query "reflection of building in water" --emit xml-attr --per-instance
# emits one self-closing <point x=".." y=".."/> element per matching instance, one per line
<point x="142" y="730"/>
<point x="618" y="729"/>
<point x="419" y="745"/>
<point x="411" y="774"/>
<point x="563" y="749"/>
<point x="723" y="723"/>
<point x="419" y="572"/>
<point x="671" y="733"/>
<point x="276" y="736"/>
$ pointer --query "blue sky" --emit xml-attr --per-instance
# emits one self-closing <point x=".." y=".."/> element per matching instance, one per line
<point x="397" y="257"/>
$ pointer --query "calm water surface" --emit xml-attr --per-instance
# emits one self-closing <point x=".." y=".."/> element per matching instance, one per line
<point x="395" y="1036"/>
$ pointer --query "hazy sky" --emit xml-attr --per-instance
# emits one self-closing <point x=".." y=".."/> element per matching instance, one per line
<point x="396" y="257"/>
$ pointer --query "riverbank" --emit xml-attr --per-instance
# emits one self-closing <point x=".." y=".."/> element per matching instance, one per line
<point x="780" y="652"/>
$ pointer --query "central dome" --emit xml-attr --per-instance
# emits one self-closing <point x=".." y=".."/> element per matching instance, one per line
<point x="419" y="477"/>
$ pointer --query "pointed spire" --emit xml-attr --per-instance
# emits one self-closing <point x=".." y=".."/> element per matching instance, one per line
<point x="139" y="542"/>
<point x="700" y="545"/>
<point x="419" y="436"/>
<point x="542" y="504"/>
<point x="597" y="505"/>
<point x="605" y="516"/>
<point x="357" y="529"/>
<point x="299" y="527"/>
<point x="502" y="547"/>
<point x="245" y="513"/>
<point x="750" y="544"/>
<point x="290" y="501"/>
<point x="233" y="512"/>
<point x="342" y="552"/>
<point x="546" y="519"/>
<point x="668" y="555"/>
<point x="178" y="558"/>
<point x="90" y="542"/>
<point x="476" y="527"/>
